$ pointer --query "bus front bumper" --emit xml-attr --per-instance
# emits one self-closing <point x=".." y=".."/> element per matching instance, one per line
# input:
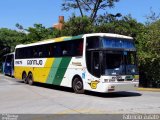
<point x="117" y="87"/>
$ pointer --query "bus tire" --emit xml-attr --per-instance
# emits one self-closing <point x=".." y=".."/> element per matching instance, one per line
<point x="77" y="85"/>
<point x="24" y="77"/>
<point x="30" y="79"/>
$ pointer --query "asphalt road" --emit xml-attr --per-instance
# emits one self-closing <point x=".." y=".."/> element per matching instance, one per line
<point x="19" y="98"/>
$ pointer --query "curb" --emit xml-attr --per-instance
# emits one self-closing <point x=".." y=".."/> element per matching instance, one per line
<point x="149" y="89"/>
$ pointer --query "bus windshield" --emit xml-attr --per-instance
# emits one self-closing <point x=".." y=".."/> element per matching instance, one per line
<point x="120" y="63"/>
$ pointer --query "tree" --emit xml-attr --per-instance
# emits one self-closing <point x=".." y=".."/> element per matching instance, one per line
<point x="37" y="33"/>
<point x="149" y="54"/>
<point x="77" y="25"/>
<point x="90" y="7"/>
<point x="8" y="40"/>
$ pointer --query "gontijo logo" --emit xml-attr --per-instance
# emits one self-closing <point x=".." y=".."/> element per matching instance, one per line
<point x="34" y="62"/>
<point x="31" y="62"/>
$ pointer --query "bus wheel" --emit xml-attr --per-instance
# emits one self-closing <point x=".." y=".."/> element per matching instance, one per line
<point x="78" y="85"/>
<point x="24" y="78"/>
<point x="30" y="79"/>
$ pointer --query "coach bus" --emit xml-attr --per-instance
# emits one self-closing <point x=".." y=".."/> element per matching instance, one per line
<point x="8" y="64"/>
<point x="100" y="62"/>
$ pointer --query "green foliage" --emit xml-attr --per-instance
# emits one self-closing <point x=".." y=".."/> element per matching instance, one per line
<point x="125" y="26"/>
<point x="82" y="25"/>
<point x="39" y="32"/>
<point x="77" y="25"/>
<point x="149" y="54"/>
<point x="9" y="39"/>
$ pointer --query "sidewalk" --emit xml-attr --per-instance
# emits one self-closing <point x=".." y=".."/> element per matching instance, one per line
<point x="149" y="89"/>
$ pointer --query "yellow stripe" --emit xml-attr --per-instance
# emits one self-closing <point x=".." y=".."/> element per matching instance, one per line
<point x="41" y="74"/>
<point x="60" y="39"/>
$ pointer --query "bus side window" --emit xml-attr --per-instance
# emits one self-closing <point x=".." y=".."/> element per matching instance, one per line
<point x="27" y="52"/>
<point x="35" y="52"/>
<point x="80" y="48"/>
<point x="18" y="53"/>
<point x="75" y="48"/>
<point x="65" y="49"/>
<point x="40" y="51"/>
<point x="57" y="50"/>
<point x="50" y="50"/>
<point x="72" y="49"/>
<point x="43" y="51"/>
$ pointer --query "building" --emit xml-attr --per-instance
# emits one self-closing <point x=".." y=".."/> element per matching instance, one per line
<point x="60" y="23"/>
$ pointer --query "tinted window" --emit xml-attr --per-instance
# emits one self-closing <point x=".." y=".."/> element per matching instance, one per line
<point x="117" y="43"/>
<point x="107" y="42"/>
<point x="93" y="42"/>
<point x="61" y="49"/>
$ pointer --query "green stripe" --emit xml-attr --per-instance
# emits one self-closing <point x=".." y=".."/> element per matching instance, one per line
<point x="58" y="70"/>
<point x="53" y="70"/>
<point x="73" y="38"/>
<point x="61" y="70"/>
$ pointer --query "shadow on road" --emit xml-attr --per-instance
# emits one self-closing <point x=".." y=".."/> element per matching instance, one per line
<point x="114" y="94"/>
<point x="89" y="93"/>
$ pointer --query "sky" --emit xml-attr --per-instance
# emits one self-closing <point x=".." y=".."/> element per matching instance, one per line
<point x="46" y="12"/>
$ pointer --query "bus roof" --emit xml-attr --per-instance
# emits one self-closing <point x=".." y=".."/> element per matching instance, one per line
<point x="66" y="38"/>
<point x="108" y="35"/>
